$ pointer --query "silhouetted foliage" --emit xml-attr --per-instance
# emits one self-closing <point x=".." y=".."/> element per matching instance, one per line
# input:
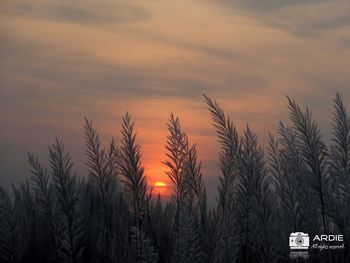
<point x="110" y="215"/>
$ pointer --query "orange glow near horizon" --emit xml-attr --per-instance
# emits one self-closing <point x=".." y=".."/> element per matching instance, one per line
<point x="154" y="171"/>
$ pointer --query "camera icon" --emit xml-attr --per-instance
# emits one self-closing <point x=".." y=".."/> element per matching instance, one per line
<point x="299" y="240"/>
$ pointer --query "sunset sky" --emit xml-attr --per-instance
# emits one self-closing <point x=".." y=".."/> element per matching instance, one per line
<point x="63" y="60"/>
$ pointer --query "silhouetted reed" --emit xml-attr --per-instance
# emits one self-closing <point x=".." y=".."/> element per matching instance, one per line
<point x="299" y="184"/>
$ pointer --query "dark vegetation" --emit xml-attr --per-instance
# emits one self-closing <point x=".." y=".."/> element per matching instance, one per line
<point x="299" y="184"/>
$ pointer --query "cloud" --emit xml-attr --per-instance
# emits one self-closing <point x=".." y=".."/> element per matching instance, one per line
<point x="79" y="71"/>
<point x="266" y="6"/>
<point x="311" y="19"/>
<point x="83" y="12"/>
<point x="302" y="17"/>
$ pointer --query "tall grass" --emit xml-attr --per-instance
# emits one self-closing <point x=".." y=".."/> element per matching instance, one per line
<point x="224" y="242"/>
<point x="315" y="154"/>
<point x="67" y="193"/>
<point x="103" y="170"/>
<point x="301" y="183"/>
<point x="188" y="197"/>
<point x="135" y="182"/>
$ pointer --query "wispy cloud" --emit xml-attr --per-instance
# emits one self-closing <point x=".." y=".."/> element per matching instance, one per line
<point x="85" y="12"/>
<point x="303" y="17"/>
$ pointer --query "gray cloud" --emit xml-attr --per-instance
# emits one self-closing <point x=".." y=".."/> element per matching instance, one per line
<point x="302" y="17"/>
<point x="266" y="6"/>
<point x="70" y="74"/>
<point x="84" y="12"/>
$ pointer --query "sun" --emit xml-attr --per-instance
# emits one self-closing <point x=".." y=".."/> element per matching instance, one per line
<point x="161" y="188"/>
<point x="160" y="184"/>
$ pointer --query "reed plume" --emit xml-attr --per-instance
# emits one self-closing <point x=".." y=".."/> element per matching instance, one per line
<point x="315" y="155"/>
